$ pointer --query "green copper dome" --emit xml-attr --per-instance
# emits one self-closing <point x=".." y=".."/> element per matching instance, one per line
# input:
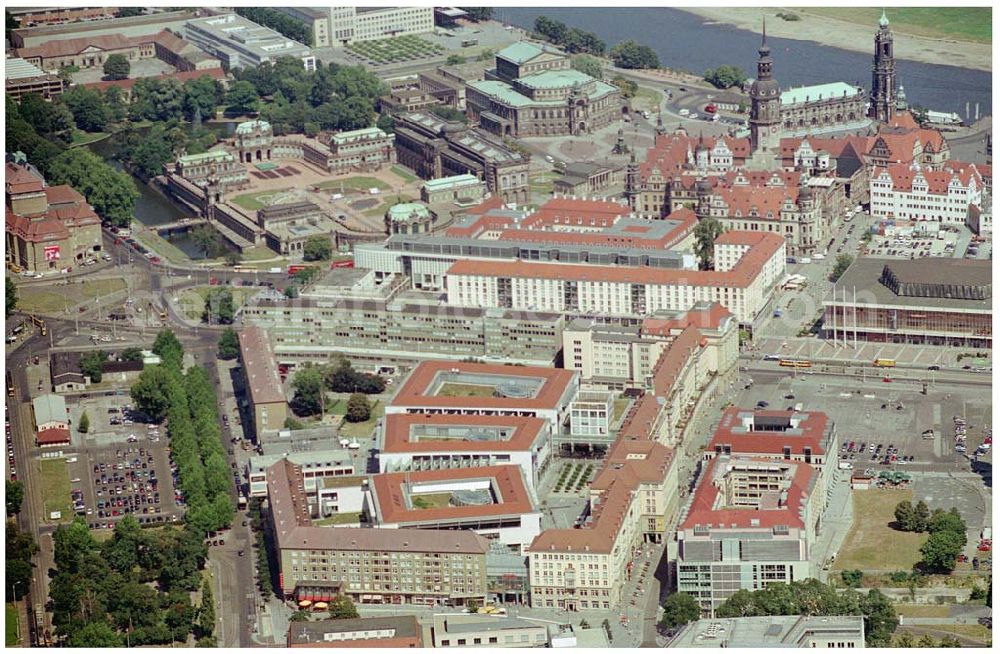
<point x="883" y="21"/>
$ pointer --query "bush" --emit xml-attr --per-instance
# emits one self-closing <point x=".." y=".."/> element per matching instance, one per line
<point x="852" y="577"/>
<point x="358" y="408"/>
<point x="84" y="425"/>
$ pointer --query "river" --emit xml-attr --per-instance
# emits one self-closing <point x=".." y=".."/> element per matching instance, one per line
<point x="685" y="41"/>
<point x="152" y="208"/>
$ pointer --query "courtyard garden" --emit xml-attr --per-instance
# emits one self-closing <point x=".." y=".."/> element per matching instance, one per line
<point x="395" y="50"/>
<point x="574" y="477"/>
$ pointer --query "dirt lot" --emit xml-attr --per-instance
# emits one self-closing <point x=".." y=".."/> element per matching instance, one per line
<point x="872" y="544"/>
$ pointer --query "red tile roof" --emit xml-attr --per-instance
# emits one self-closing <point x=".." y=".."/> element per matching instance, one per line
<point x="390" y="494"/>
<point x="763" y="245"/>
<point x="398" y="430"/>
<point x="18" y="180"/>
<point x="903" y="176"/>
<point x="53" y="436"/>
<point x="180" y="76"/>
<point x="708" y="317"/>
<point x="63" y="194"/>
<point x="703" y="512"/>
<point x="810" y="433"/>
<point x="413" y="392"/>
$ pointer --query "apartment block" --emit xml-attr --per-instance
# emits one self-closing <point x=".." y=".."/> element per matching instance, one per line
<point x="461" y="388"/>
<point x="371" y="566"/>
<point x="751" y="522"/>
<point x="416" y="442"/>
<point x="352" y="24"/>
<point x="260" y="372"/>
<point x="943" y="196"/>
<point x="22" y="78"/>
<point x="744" y="287"/>
<point x="451" y="630"/>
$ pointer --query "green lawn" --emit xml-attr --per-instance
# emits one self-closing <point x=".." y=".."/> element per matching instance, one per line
<point x="960" y="23"/>
<point x="362" y="429"/>
<point x="922" y="610"/>
<point x="621" y="403"/>
<point x="43" y="300"/>
<point x="647" y="100"/>
<point x="82" y="138"/>
<point x="361" y="183"/>
<point x="55" y="488"/>
<point x="193" y="299"/>
<point x="338" y="519"/>
<point x="12" y="619"/>
<point x="449" y="389"/>
<point x="401" y="48"/>
<point x="162" y="247"/>
<point x="401" y="172"/>
<point x="872" y="544"/>
<point x="259" y="199"/>
<point x="432" y="501"/>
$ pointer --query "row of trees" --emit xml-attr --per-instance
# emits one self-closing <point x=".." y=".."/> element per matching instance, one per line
<point x="292" y="99"/>
<point x="21" y="546"/>
<point x="279" y="22"/>
<point x="133" y="589"/>
<point x="312" y="382"/>
<point x="188" y="402"/>
<point x="570" y="39"/>
<point x="264" y="583"/>
<point x="10" y="297"/>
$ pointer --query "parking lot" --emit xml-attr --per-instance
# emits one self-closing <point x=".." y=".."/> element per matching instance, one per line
<point x="123" y="465"/>
<point x="885" y="422"/>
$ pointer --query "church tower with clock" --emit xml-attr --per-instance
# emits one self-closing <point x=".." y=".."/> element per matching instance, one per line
<point x="765" y="104"/>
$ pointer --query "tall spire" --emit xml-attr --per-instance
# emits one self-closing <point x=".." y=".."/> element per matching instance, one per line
<point x="884" y="20"/>
<point x="763" y="31"/>
<point x="765" y="49"/>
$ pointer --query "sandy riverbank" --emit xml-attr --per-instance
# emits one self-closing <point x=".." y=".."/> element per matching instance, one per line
<point x="851" y="36"/>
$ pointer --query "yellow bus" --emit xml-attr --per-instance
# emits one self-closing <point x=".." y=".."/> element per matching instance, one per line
<point x="884" y="363"/>
<point x="795" y="363"/>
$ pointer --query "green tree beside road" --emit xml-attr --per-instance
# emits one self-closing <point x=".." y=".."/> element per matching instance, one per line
<point x="84" y="425"/>
<point x="10" y="297"/>
<point x="629" y="54"/>
<point x="111" y="193"/>
<point x="679" y="609"/>
<point x="725" y="76"/>
<point x="342" y="608"/>
<point x="229" y="345"/>
<point x="14" y="496"/>
<point x="843" y="262"/>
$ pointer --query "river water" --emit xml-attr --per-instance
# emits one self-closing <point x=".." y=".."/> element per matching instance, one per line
<point x="685" y="41"/>
<point x="152" y="208"/>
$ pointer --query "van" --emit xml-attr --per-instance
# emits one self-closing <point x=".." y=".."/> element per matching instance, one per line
<point x="798" y="406"/>
<point x="684" y="112"/>
<point x="819" y="256"/>
<point x="805" y="260"/>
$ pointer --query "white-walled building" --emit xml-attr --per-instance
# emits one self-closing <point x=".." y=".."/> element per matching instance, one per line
<point x="314" y="465"/>
<point x="748" y="265"/>
<point x="239" y="42"/>
<point x="492" y="501"/>
<point x="919" y="193"/>
<point x="352" y="24"/>
<point x="417" y="442"/>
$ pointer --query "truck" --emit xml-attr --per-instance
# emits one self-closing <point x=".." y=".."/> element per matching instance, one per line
<point x="294" y="269"/>
<point x="274" y="271"/>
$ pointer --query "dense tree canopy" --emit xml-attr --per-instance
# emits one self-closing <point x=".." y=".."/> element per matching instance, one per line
<point x="229" y="344"/>
<point x="317" y="248"/>
<point x="358" y="408"/>
<point x="725" y="76"/>
<point x="10" y="297"/>
<point x="310" y="396"/>
<point x="283" y="23"/>
<point x="110" y="192"/>
<point x="629" y="54"/>
<point x="478" y="14"/>
<point x="219" y="306"/>
<point x="14" y="496"/>
<point x="571" y="39"/>
<point x="117" y="67"/>
<point x="587" y="65"/>
<point x="705" y="233"/>
<point x="679" y="609"/>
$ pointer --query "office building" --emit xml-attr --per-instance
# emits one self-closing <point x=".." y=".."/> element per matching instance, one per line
<point x="314" y="466"/>
<point x="260" y="374"/>
<point x="458" y="189"/>
<point x="451" y="630"/>
<point x="747" y="267"/>
<point x="22" y="78"/>
<point x="316" y="20"/>
<point x="750" y="522"/>
<point x="371" y="566"/>
<point x="618" y="357"/>
<point x="414" y="442"/>
<point x="461" y="388"/>
<point x="562" y="230"/>
<point x="492" y="501"/>
<point x="353" y="24"/>
<point x="775" y="631"/>
<point x="241" y="43"/>
<point x="392" y="631"/>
